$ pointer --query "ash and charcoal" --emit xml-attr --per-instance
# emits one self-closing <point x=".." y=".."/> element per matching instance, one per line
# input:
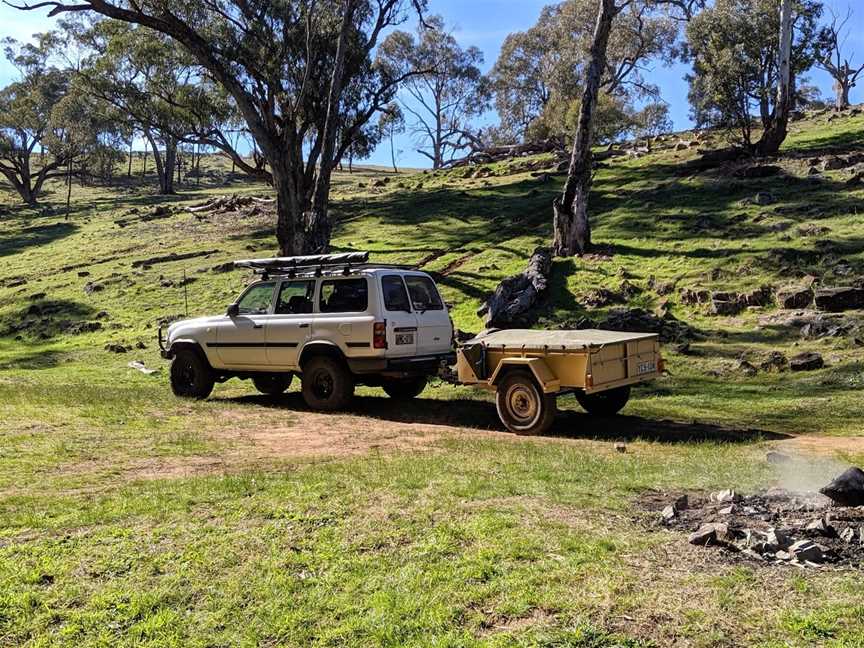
<point x="778" y="526"/>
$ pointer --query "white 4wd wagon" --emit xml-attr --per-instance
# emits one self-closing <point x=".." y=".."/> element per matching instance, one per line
<point x="334" y="320"/>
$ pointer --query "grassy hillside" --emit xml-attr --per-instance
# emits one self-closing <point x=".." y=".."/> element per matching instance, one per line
<point x="128" y="517"/>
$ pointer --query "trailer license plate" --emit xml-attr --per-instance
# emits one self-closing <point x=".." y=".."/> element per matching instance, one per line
<point x="646" y="367"/>
<point x="404" y="338"/>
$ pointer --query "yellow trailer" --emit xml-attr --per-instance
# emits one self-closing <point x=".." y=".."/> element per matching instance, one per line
<point x="528" y="369"/>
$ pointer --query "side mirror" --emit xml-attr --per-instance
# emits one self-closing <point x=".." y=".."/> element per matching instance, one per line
<point x="233" y="310"/>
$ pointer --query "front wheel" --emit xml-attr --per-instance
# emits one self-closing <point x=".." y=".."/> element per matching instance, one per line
<point x="404" y="388"/>
<point x="605" y="403"/>
<point x="327" y="384"/>
<point x="522" y="406"/>
<point x="272" y="384"/>
<point x="191" y="376"/>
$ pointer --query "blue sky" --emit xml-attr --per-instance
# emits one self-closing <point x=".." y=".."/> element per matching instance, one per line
<point x="485" y="23"/>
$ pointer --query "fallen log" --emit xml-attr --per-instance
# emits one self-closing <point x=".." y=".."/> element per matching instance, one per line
<point x="516" y="296"/>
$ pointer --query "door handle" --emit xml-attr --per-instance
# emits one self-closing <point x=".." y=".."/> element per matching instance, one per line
<point x="303" y="325"/>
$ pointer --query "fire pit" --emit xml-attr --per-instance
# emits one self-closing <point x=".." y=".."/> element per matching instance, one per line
<point x="776" y="526"/>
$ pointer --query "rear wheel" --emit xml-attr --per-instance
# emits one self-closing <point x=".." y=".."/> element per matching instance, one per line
<point x="605" y="403"/>
<point x="404" y="388"/>
<point x="191" y="376"/>
<point x="522" y="406"/>
<point x="327" y="384"/>
<point x="272" y="384"/>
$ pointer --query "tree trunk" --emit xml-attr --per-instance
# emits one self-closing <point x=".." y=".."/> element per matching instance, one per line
<point x="129" y="172"/>
<point x="315" y="237"/>
<point x="775" y="134"/>
<point x="841" y="86"/>
<point x="572" y="231"/>
<point x="393" y="153"/>
<point x="287" y="208"/>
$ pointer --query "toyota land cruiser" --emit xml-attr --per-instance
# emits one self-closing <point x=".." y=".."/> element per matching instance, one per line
<point x="333" y="320"/>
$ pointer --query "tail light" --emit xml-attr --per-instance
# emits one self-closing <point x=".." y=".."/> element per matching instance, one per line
<point x="379" y="335"/>
<point x="589" y="381"/>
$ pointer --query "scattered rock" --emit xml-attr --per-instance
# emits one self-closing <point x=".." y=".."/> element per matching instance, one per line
<point x="837" y="300"/>
<point x="763" y="198"/>
<point x="794" y="297"/>
<point x="621" y="447"/>
<point x="833" y="163"/>
<point x="808" y="551"/>
<point x="93" y="287"/>
<point x="777" y="458"/>
<point x="727" y="495"/>
<point x="847" y="489"/>
<point x="113" y="347"/>
<point x="747" y="369"/>
<point x="709" y="534"/>
<point x="776" y="361"/>
<point x="807" y="361"/>
<point x="223" y="267"/>
<point x="140" y="366"/>
<point x="822" y="527"/>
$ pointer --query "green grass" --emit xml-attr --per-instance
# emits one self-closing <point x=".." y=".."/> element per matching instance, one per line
<point x="128" y="517"/>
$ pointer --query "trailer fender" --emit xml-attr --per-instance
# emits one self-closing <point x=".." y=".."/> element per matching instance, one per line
<point x="542" y="373"/>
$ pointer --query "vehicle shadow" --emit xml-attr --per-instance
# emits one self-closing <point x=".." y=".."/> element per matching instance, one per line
<point x="477" y="414"/>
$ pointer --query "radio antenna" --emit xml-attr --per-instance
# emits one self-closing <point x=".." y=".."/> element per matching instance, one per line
<point x="186" y="292"/>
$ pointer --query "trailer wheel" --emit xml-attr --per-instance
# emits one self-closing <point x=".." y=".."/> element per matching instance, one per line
<point x="327" y="383"/>
<point x="605" y="403"/>
<point x="404" y="388"/>
<point x="522" y="406"/>
<point x="191" y="376"/>
<point x="272" y="384"/>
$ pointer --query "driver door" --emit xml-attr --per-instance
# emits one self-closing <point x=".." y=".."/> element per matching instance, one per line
<point x="242" y="341"/>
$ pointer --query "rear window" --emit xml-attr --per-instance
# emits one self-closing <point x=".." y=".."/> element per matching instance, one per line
<point x="424" y="294"/>
<point x="395" y="295"/>
<point x="344" y="296"/>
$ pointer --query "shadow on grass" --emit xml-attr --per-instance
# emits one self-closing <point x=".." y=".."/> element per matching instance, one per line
<point x="477" y="414"/>
<point x="34" y="236"/>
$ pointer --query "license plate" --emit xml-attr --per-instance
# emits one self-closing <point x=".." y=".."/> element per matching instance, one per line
<point x="646" y="367"/>
<point x="404" y="338"/>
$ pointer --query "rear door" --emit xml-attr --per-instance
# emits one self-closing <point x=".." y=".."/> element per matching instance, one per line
<point x="344" y="316"/>
<point x="241" y="341"/>
<point x="401" y="321"/>
<point x="434" y="328"/>
<point x="290" y="325"/>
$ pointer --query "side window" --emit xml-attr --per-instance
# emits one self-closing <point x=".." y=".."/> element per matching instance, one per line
<point x="424" y="294"/>
<point x="344" y="296"/>
<point x="395" y="295"/>
<point x="295" y="297"/>
<point x="256" y="300"/>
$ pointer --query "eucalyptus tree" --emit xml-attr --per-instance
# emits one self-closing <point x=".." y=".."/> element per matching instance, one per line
<point x="540" y="73"/>
<point x="286" y="65"/>
<point x="27" y="117"/>
<point x="446" y="94"/>
<point x="831" y="56"/>
<point x="737" y="48"/>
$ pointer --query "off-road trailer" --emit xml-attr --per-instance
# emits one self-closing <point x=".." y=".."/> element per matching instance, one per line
<point x="529" y="369"/>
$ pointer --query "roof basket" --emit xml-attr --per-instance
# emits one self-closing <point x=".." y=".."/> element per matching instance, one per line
<point x="314" y="265"/>
<point x="285" y="264"/>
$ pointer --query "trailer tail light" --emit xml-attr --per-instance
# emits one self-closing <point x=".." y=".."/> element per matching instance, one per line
<point x="379" y="335"/>
<point x="589" y="380"/>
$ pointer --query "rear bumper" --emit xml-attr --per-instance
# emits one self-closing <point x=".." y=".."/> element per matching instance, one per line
<point x="429" y="365"/>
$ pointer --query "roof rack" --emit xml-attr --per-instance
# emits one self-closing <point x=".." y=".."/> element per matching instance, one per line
<point x="317" y="265"/>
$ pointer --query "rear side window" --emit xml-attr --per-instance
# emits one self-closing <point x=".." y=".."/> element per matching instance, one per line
<point x="295" y="297"/>
<point x="395" y="295"/>
<point x="424" y="294"/>
<point x="344" y="296"/>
